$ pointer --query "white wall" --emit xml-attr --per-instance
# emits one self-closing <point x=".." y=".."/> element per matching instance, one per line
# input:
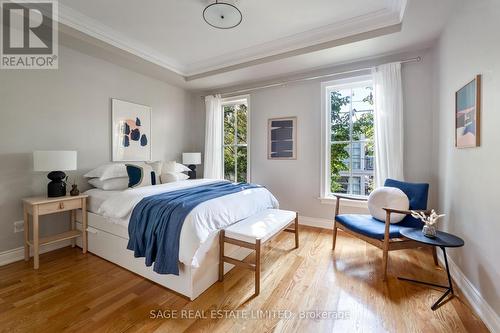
<point x="69" y="108"/>
<point x="468" y="178"/>
<point x="296" y="183"/>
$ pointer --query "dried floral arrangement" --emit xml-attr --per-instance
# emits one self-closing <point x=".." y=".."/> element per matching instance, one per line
<point x="430" y="219"/>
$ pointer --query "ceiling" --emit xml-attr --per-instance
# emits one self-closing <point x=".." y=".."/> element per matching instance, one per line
<point x="275" y="37"/>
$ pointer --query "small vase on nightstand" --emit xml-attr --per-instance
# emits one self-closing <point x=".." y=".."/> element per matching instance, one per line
<point x="74" y="190"/>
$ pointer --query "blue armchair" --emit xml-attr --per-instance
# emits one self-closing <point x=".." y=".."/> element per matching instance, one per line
<point x="383" y="234"/>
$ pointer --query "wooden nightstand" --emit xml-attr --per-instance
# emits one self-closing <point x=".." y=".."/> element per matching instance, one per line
<point x="38" y="206"/>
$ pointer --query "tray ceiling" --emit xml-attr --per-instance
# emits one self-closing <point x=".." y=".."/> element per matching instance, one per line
<point x="173" y="34"/>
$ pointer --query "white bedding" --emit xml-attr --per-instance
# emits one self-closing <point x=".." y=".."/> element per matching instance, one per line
<point x="97" y="197"/>
<point x="202" y="223"/>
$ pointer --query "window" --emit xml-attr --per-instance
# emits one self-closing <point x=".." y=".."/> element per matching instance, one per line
<point x="235" y="145"/>
<point x="348" y="140"/>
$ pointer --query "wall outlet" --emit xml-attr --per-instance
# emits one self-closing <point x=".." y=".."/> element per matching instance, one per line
<point x="19" y="226"/>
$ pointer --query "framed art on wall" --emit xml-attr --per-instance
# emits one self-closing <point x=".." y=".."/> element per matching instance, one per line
<point x="131" y="131"/>
<point x="467" y="114"/>
<point x="282" y="138"/>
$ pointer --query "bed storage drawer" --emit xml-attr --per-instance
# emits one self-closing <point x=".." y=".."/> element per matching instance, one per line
<point x="109" y="241"/>
<point x="114" y="249"/>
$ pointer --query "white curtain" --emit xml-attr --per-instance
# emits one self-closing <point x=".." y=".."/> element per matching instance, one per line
<point x="213" y="138"/>
<point x="388" y="101"/>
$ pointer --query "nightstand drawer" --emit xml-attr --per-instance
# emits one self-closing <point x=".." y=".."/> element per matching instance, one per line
<point x="60" y="206"/>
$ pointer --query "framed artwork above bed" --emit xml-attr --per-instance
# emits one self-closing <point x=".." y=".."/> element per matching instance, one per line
<point x="467" y="114"/>
<point x="131" y="131"/>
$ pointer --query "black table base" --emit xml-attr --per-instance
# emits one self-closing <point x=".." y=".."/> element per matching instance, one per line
<point x="449" y="287"/>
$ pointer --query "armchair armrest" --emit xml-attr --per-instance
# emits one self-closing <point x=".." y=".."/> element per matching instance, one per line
<point x="348" y="197"/>
<point x="389" y="211"/>
<point x="407" y="212"/>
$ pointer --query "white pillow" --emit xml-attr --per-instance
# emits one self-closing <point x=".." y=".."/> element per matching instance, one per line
<point x="108" y="171"/>
<point x="157" y="168"/>
<point x="388" y="197"/>
<point x="173" y="166"/>
<point x="113" y="184"/>
<point x="169" y="177"/>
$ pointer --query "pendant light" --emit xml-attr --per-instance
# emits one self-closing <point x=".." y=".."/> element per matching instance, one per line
<point x="222" y="15"/>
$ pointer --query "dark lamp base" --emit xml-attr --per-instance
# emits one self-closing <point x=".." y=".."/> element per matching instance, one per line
<point x="192" y="173"/>
<point x="57" y="185"/>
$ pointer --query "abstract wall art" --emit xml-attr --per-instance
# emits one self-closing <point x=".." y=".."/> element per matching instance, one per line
<point x="467" y="114"/>
<point x="131" y="131"/>
<point x="282" y="138"/>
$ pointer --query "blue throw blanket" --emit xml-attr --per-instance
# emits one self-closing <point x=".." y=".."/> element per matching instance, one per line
<point x="156" y="222"/>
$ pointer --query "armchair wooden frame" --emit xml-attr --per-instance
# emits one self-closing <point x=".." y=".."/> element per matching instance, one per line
<point x="386" y="244"/>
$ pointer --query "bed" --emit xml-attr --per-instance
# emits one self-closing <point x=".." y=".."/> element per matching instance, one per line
<point x="109" y="214"/>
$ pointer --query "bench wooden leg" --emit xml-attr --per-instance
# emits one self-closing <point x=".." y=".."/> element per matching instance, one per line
<point x="297" y="231"/>
<point x="257" y="267"/>
<point x="221" y="255"/>
<point x="255" y="247"/>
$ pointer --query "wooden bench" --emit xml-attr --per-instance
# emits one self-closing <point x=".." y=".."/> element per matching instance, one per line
<point x="252" y="233"/>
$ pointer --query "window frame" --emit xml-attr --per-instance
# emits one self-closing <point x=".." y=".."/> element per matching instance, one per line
<point x="235" y="100"/>
<point x="326" y="87"/>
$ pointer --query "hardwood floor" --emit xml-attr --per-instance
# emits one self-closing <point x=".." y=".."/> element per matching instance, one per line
<point x="83" y="293"/>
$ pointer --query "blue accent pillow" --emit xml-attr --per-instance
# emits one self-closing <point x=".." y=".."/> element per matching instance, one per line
<point x="417" y="193"/>
<point x="140" y="175"/>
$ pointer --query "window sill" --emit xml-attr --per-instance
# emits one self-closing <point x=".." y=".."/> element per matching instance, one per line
<point x="331" y="200"/>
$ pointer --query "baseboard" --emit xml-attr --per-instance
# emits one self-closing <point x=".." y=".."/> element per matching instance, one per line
<point x="479" y="305"/>
<point x="17" y="254"/>
<point x="316" y="222"/>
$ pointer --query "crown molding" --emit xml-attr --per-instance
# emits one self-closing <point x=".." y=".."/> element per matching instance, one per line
<point x="76" y="20"/>
<point x="339" y="30"/>
<point x="308" y="41"/>
<point x="397" y="6"/>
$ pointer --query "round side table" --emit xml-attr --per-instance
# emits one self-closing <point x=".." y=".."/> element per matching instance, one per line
<point x="442" y="240"/>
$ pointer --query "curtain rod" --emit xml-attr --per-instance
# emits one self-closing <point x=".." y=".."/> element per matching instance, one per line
<point x="282" y="83"/>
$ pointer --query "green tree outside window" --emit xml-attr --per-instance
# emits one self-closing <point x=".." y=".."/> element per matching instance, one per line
<point x="235" y="142"/>
<point x="349" y="125"/>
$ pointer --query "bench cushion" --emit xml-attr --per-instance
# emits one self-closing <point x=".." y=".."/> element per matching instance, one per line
<point x="262" y="225"/>
<point x="369" y="226"/>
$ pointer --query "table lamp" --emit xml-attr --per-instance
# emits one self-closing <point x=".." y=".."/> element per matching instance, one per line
<point x="55" y="161"/>
<point x="192" y="159"/>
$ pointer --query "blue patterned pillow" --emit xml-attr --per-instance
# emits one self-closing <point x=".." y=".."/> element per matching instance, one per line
<point x="140" y="175"/>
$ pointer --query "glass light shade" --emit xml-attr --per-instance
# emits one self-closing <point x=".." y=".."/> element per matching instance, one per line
<point x="61" y="160"/>
<point x="222" y="15"/>
<point x="191" y="158"/>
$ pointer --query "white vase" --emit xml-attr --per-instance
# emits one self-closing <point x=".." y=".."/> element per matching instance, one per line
<point x="429" y="231"/>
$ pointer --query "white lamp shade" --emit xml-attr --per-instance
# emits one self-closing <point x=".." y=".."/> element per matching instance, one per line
<point x="54" y="160"/>
<point x="191" y="158"/>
